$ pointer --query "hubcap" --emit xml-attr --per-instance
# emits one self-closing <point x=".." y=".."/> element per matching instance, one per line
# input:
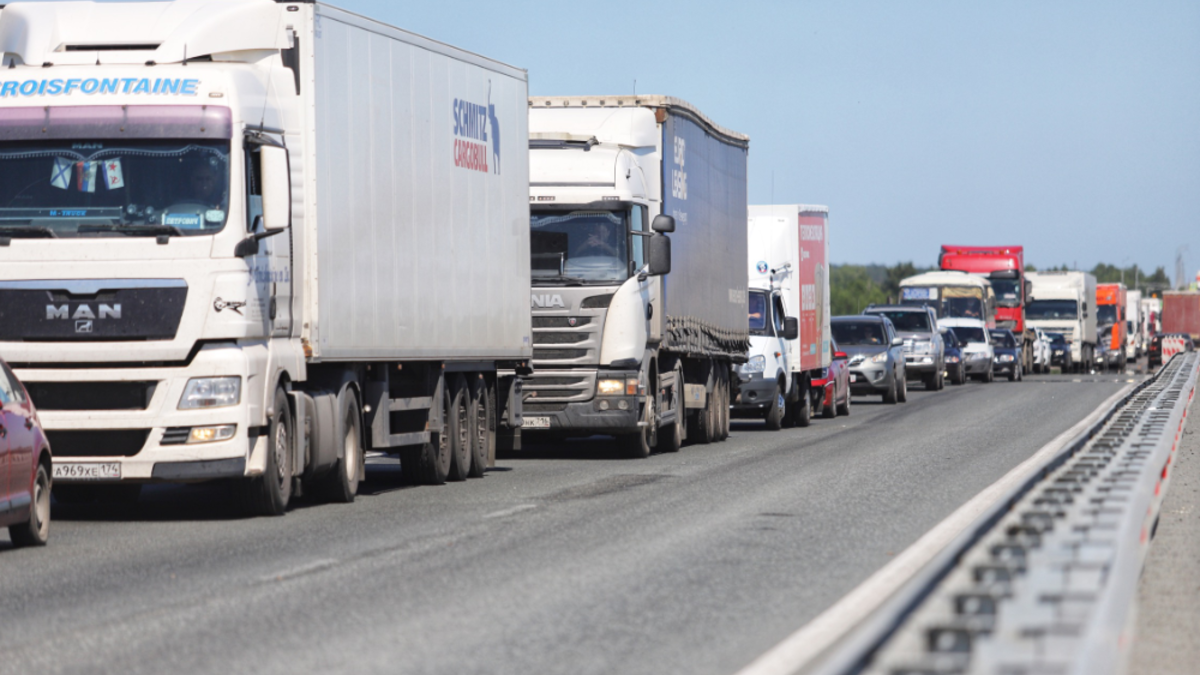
<point x="281" y="445"/>
<point x="351" y="449"/>
<point x="41" y="501"/>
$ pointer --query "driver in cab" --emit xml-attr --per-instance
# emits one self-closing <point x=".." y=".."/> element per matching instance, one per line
<point x="601" y="242"/>
<point x="205" y="186"/>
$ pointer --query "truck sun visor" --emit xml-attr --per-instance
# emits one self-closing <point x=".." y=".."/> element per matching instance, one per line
<point x="114" y="121"/>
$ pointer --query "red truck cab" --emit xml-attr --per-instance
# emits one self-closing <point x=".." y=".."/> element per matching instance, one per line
<point x="1004" y="266"/>
<point x="1110" y="308"/>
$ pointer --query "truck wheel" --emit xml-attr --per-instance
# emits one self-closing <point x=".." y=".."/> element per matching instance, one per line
<point x="706" y="424"/>
<point x="458" y="428"/>
<point x="670" y="438"/>
<point x="340" y="485"/>
<point x="483" y="437"/>
<point x="776" y="410"/>
<point x="723" y="411"/>
<point x="269" y="494"/>
<point x="435" y="457"/>
<point x="802" y="411"/>
<point x="36" y="530"/>
<point x="638" y="445"/>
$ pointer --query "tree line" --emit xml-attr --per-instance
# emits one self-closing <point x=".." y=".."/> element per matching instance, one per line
<point x="853" y="287"/>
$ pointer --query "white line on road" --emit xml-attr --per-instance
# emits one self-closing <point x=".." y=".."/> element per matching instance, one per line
<point x="315" y="566"/>
<point x="800" y="650"/>
<point x="511" y="512"/>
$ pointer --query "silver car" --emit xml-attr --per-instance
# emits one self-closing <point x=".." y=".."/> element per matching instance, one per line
<point x="924" y="349"/>
<point x="876" y="355"/>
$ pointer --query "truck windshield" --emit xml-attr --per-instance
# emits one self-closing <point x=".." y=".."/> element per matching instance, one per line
<point x="760" y="309"/>
<point x="1106" y="314"/>
<point x="73" y="189"/>
<point x="950" y="302"/>
<point x="1052" y="310"/>
<point x="855" y="333"/>
<point x="1008" y="292"/>
<point x="584" y="246"/>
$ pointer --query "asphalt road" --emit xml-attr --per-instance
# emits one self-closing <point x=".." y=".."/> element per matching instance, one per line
<point x="565" y="559"/>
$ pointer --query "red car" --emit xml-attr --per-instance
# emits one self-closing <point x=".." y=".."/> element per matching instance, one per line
<point x="25" y="467"/>
<point x="836" y="382"/>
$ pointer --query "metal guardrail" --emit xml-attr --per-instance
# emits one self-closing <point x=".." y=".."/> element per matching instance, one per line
<point x="1044" y="579"/>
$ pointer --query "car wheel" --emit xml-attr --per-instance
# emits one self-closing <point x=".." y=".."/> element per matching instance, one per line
<point x="830" y="411"/>
<point x="775" y="413"/>
<point x="902" y="390"/>
<point x="844" y="407"/>
<point x="889" y="396"/>
<point x="36" y="530"/>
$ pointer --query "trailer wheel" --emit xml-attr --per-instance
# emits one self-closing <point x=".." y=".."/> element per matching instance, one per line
<point x="705" y="418"/>
<point x="269" y="494"/>
<point x="723" y="410"/>
<point x="435" y="457"/>
<point x="483" y="437"/>
<point x="340" y="485"/>
<point x="458" y="428"/>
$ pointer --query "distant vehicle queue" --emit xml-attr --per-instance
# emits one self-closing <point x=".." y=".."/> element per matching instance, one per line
<point x="326" y="270"/>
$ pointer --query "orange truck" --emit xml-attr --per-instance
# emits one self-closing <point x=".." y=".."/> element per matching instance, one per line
<point x="1110" y="309"/>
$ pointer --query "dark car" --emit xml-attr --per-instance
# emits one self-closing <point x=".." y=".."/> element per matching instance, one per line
<point x="1060" y="351"/>
<point x="955" y="369"/>
<point x="1008" y="354"/>
<point x="25" y="468"/>
<point x="876" y="355"/>
<point x="1165" y="345"/>
<point x="835" y="380"/>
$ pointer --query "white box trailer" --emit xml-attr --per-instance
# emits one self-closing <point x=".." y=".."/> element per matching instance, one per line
<point x="1065" y="302"/>
<point x="263" y="237"/>
<point x="788" y="247"/>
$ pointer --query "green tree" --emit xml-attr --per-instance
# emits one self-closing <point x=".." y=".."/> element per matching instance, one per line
<point x="851" y="289"/>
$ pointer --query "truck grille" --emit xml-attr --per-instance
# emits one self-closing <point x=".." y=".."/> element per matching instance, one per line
<point x="91" y="395"/>
<point x="97" y="442"/>
<point x="561" y="321"/>
<point x="558" y="354"/>
<point x="559" y="386"/>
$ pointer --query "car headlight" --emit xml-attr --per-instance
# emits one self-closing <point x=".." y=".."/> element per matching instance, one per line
<point x="951" y="359"/>
<point x="756" y="364"/>
<point x="211" y="392"/>
<point x="922" y="347"/>
<point x="881" y="357"/>
<point x="1005" y="358"/>
<point x="857" y="360"/>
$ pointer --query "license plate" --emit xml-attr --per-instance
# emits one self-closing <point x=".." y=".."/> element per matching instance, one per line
<point x="535" y="422"/>
<point x="88" y="471"/>
<point x="853" y="377"/>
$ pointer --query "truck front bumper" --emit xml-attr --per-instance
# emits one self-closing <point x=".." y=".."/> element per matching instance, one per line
<point x="151" y="441"/>
<point x="755" y="393"/>
<point x="584" y="418"/>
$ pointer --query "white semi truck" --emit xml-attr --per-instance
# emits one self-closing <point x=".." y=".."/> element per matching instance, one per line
<point x="638" y="216"/>
<point x="1135" y="342"/>
<point x="251" y="240"/>
<point x="788" y="254"/>
<point x="1065" y="302"/>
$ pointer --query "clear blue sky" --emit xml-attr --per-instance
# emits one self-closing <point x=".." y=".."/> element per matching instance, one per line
<point x="1071" y="127"/>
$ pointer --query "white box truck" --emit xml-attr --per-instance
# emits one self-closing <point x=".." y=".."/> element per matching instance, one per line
<point x="638" y="217"/>
<point x="1134" y="340"/>
<point x="788" y="254"/>
<point x="247" y="239"/>
<point x="1065" y="302"/>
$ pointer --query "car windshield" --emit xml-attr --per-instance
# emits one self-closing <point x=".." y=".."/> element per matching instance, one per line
<point x="1055" y="337"/>
<point x="857" y="333"/>
<point x="909" y="322"/>
<point x="1106" y="314"/>
<point x="1008" y="292"/>
<point x="73" y="189"/>
<point x="759" y="313"/>
<point x="969" y="334"/>
<point x="1051" y="310"/>
<point x="1003" y="339"/>
<point x="588" y="246"/>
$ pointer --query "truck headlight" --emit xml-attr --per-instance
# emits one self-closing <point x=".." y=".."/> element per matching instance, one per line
<point x="221" y="432"/>
<point x="211" y="392"/>
<point x="614" y="387"/>
<point x="756" y="364"/>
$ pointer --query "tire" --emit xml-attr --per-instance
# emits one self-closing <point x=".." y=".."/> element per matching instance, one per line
<point x="843" y="409"/>
<point x="1012" y="374"/>
<point x="931" y="382"/>
<point x="725" y="396"/>
<point x="36" y="530"/>
<point x="941" y="377"/>
<point x="670" y="438"/>
<point x="889" y="396"/>
<point x="340" y="484"/>
<point x="902" y="390"/>
<point x="802" y="411"/>
<point x="270" y="493"/>
<point x="778" y="407"/>
<point x="704" y="425"/>
<point x="959" y="376"/>
<point x="433" y="459"/>
<point x="482" y="419"/>
<point x="459" y="424"/>
<point x="639" y="444"/>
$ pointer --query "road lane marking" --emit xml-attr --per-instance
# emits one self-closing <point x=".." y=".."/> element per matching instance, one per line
<point x="800" y="651"/>
<point x="309" y="568"/>
<point x="510" y="512"/>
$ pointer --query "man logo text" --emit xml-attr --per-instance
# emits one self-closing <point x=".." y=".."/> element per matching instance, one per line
<point x="83" y="312"/>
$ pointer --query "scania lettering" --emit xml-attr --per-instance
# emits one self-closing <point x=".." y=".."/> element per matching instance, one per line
<point x="254" y="240"/>
<point x="638" y="207"/>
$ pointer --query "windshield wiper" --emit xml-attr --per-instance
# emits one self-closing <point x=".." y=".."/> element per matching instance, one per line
<point x="563" y="280"/>
<point x="134" y="230"/>
<point x="30" y="231"/>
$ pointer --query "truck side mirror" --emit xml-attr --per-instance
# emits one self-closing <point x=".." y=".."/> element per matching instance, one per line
<point x="663" y="223"/>
<point x="276" y="188"/>
<point x="791" y="328"/>
<point x="1028" y="289"/>
<point x="659" y="258"/>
